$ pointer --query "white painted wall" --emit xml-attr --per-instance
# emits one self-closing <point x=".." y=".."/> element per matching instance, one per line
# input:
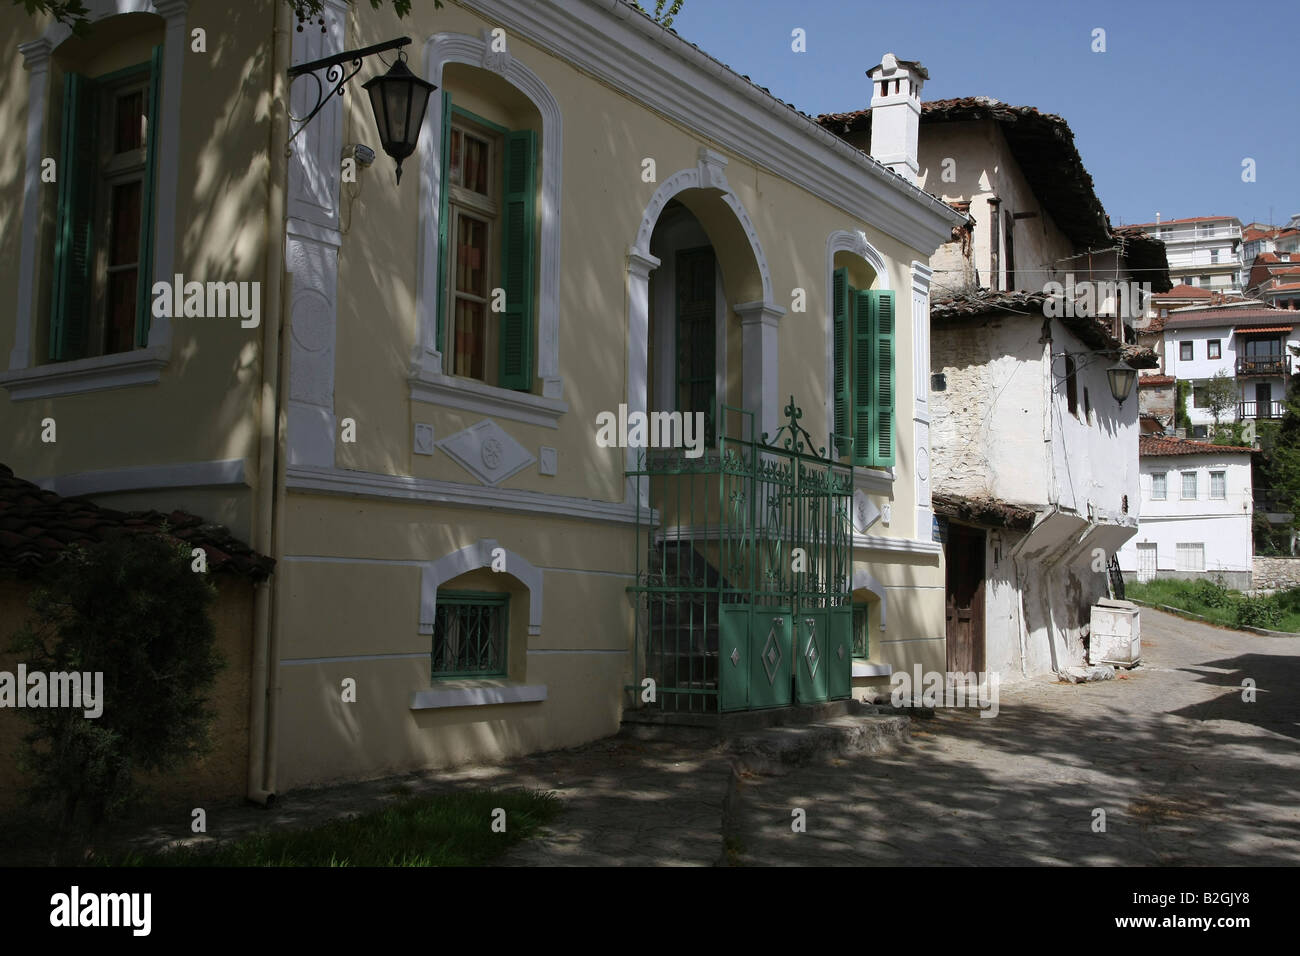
<point x="1222" y="525"/>
<point x="1201" y="367"/>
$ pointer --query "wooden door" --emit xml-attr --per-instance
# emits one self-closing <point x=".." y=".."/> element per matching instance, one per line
<point x="964" y="589"/>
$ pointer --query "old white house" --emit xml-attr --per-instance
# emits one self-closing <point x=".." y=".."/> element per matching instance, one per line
<point x="1195" y="514"/>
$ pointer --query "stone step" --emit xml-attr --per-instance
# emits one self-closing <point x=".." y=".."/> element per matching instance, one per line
<point x="778" y="749"/>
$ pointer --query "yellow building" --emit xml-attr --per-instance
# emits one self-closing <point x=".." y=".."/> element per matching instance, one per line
<point x="401" y="395"/>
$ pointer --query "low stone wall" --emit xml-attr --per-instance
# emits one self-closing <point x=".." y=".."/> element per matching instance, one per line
<point x="1276" y="573"/>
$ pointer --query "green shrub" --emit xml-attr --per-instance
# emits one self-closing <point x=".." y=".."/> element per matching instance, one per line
<point x="1258" y="612"/>
<point x="1211" y="594"/>
<point x="132" y="609"/>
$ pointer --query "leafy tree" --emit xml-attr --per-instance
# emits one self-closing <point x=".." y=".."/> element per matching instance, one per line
<point x="132" y="609"/>
<point x="1220" y="394"/>
<point x="659" y="16"/>
<point x="1181" y="419"/>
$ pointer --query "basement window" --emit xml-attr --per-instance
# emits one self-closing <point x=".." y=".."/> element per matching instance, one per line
<point x="469" y="634"/>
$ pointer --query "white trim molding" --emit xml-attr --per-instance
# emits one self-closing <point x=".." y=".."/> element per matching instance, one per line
<point x="864" y="581"/>
<point x="365" y="484"/>
<point x="921" y="273"/>
<point x="853" y="241"/>
<point x="36" y="55"/>
<point x="93" y="374"/>
<point x="611" y="41"/>
<point x="482" y="695"/>
<point x="435" y="388"/>
<point x="190" y="474"/>
<point x="441" y="49"/>
<point x="470" y="558"/>
<point x="875" y="542"/>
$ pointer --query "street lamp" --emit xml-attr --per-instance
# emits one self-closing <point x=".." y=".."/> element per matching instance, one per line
<point x="1121" y="379"/>
<point x="398" y="98"/>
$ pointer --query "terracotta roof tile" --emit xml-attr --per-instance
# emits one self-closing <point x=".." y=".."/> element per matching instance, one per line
<point x="1151" y="381"/>
<point x="37" y="526"/>
<point x="1183" y="291"/>
<point x="1159" y="446"/>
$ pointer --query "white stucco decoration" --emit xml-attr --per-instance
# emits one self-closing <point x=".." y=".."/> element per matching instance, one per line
<point x="470" y="558"/>
<point x="487" y="451"/>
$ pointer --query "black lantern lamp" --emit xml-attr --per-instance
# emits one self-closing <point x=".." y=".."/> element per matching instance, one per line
<point x="399" y="99"/>
<point x="1121" y="379"/>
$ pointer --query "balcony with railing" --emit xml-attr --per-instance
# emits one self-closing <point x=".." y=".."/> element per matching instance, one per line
<point x="1259" y="410"/>
<point x="1262" y="365"/>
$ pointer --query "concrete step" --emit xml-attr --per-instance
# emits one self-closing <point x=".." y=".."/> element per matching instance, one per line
<point x="778" y="749"/>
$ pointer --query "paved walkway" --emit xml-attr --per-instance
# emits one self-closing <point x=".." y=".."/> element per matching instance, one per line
<point x="1187" y="773"/>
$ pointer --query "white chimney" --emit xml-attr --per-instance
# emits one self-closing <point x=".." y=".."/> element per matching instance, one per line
<point x="896" y="113"/>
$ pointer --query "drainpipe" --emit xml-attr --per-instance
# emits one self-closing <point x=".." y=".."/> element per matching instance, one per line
<point x="266" y="517"/>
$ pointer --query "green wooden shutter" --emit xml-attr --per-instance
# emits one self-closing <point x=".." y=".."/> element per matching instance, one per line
<point x="517" y="253"/>
<point x="444" y="228"/>
<point x="144" y="294"/>
<point x="863" y="361"/>
<point x="74" y="237"/>
<point x="883" y="424"/>
<point x="840" y="293"/>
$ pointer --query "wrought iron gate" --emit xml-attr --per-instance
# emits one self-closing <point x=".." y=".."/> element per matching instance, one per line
<point x="744" y="571"/>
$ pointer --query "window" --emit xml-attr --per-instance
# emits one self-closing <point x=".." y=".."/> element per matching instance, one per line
<point x="1200" y="396"/>
<point x="1166" y="232"/>
<point x="488" y="225"/>
<point x="1184" y="351"/>
<point x="1218" y="485"/>
<point x="1159" y="485"/>
<point x="1189" y="484"/>
<point x="1213" y="349"/>
<point x="1071" y="387"/>
<point x="1214" y="256"/>
<point x="1207" y="229"/>
<point x="469" y="634"/>
<point x="104" y="227"/>
<point x="864" y="371"/>
<point x="1205" y="281"/>
<point x="1189" y="556"/>
<point x="861" y="643"/>
<point x="696" y="274"/>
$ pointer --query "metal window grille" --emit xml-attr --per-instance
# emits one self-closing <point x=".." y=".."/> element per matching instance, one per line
<point x="861" y="644"/>
<point x="469" y="634"/>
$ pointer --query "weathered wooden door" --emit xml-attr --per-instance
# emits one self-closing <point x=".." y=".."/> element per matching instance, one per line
<point x="964" y="590"/>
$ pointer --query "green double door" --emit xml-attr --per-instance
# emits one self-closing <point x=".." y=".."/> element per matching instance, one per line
<point x="773" y="656"/>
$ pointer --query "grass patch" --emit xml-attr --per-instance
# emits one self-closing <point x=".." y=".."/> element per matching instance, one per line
<point x="450" y="829"/>
<point x="1224" y="606"/>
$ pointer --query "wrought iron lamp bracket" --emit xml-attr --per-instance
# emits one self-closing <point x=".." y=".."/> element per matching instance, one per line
<point x="336" y="78"/>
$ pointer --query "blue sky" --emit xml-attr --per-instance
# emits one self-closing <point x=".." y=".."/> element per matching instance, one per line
<point x="1163" y="119"/>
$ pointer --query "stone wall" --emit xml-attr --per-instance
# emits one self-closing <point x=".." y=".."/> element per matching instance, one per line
<point x="1276" y="573"/>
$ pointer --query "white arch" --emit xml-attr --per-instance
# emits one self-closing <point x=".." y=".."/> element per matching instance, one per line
<point x="470" y="558"/>
<point x="758" y="319"/>
<point x="854" y="241"/>
<point x="863" y="580"/>
<point x="441" y="49"/>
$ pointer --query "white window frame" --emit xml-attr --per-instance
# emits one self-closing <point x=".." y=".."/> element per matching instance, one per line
<point x="1183" y="549"/>
<point x="1160" y="480"/>
<point x="142" y="366"/>
<point x="1222" y="477"/>
<point x="1195" y="486"/>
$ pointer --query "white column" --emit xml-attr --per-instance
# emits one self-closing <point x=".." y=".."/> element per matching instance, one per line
<point x="921" y="396"/>
<point x="759" y="365"/>
<point x="312" y="241"/>
<point x="639" y="266"/>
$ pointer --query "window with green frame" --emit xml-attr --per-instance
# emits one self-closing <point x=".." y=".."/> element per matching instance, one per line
<point x="470" y="631"/>
<point x="489" y="185"/>
<point x="861" y="644"/>
<point x="103" y="244"/>
<point x="864" y="371"/>
<point x="696" y="308"/>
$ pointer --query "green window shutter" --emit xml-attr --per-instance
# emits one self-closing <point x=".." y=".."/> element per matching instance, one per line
<point x="863" y="361"/>
<point x="73" y="250"/>
<point x="882" y="379"/>
<point x="517" y="253"/>
<point x="840" y="293"/>
<point x="144" y="295"/>
<point x="444" y="228"/>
